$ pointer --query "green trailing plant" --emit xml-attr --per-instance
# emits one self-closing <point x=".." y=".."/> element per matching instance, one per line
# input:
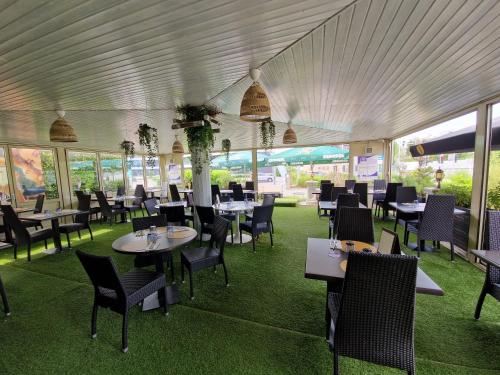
<point x="148" y="138"/>
<point x="200" y="139"/>
<point x="128" y="148"/>
<point x="226" y="147"/>
<point x="267" y="134"/>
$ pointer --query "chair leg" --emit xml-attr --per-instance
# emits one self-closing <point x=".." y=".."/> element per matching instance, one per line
<point x="165" y="303"/>
<point x="91" y="235"/>
<point x="335" y="362"/>
<point x="396" y="224"/>
<point x="93" y="324"/>
<point x="125" y="332"/>
<point x="452" y="251"/>
<point x="191" y="293"/>
<point x="272" y="226"/>
<point x="225" y="273"/>
<point x="15" y="251"/>
<point x="480" y="301"/>
<point x="4" y="299"/>
<point x="232" y="235"/>
<point x="421" y="246"/>
<point x="45" y="243"/>
<point x="271" y="235"/>
<point x="67" y="240"/>
<point x="29" y="251"/>
<point x="79" y="234"/>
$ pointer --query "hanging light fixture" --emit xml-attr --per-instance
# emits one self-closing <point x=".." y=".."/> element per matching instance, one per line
<point x="61" y="131"/>
<point x="177" y="147"/>
<point x="289" y="137"/>
<point x="255" y="105"/>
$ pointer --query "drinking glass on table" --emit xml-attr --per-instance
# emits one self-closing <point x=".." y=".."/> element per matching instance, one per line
<point x="334" y="249"/>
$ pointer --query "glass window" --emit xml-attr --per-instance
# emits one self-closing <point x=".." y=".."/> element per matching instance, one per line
<point x="235" y="167"/>
<point x="34" y="173"/>
<point x="135" y="172"/>
<point x="153" y="179"/>
<point x="188" y="169"/>
<point x="111" y="171"/>
<point x="449" y="146"/>
<point x="4" y="181"/>
<point x="83" y="171"/>
<point x="288" y="170"/>
<point x="493" y="198"/>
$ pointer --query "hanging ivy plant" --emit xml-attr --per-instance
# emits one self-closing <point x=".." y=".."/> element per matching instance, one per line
<point x="199" y="138"/>
<point x="148" y="138"/>
<point x="267" y="133"/>
<point x="226" y="147"/>
<point x="128" y="148"/>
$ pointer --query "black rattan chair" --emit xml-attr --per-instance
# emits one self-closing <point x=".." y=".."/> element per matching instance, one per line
<point x="175" y="214"/>
<point x="119" y="292"/>
<point x="373" y="319"/>
<point x="355" y="224"/>
<point x="30" y="223"/>
<point x="231" y="184"/>
<point x="5" y="301"/>
<point x="23" y="236"/>
<point x="267" y="201"/>
<point x="249" y="185"/>
<point x="120" y="190"/>
<point x="108" y="212"/>
<point x="238" y="193"/>
<point x="150" y="205"/>
<point x="206" y="216"/>
<point x="390" y="196"/>
<point x="405" y="194"/>
<point x="205" y="257"/>
<point x="492" y="280"/>
<point x="140" y="192"/>
<point x="436" y="223"/>
<point x="343" y="200"/>
<point x="174" y="193"/>
<point x="377" y="196"/>
<point x="134" y="207"/>
<point x="81" y="220"/>
<point x="361" y="188"/>
<point x="325" y="195"/>
<point x="349" y="184"/>
<point x="260" y="223"/>
<point x="325" y="182"/>
<point x="336" y="191"/>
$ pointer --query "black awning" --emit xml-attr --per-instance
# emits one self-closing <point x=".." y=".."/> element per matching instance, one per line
<point x="454" y="144"/>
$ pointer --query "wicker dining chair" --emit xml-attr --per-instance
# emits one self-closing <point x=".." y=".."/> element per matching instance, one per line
<point x="325" y="195"/>
<point x="355" y="224"/>
<point x="349" y="184"/>
<point x="491" y="284"/>
<point x="343" y="200"/>
<point x="5" y="301"/>
<point x="436" y="223"/>
<point x="361" y="188"/>
<point x="260" y="223"/>
<point x="373" y="318"/>
<point x="107" y="211"/>
<point x="388" y="242"/>
<point x="336" y="191"/>
<point x="378" y="196"/>
<point x="174" y="193"/>
<point x="80" y="222"/>
<point x="175" y="214"/>
<point x="150" y="205"/>
<point x="238" y="193"/>
<point x="390" y="196"/>
<point x="267" y="201"/>
<point x="119" y="292"/>
<point x="206" y="257"/>
<point x="206" y="216"/>
<point x="405" y="194"/>
<point x="30" y="223"/>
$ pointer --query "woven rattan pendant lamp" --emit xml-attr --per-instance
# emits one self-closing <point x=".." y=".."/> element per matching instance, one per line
<point x="255" y="105"/>
<point x="289" y="137"/>
<point x="177" y="147"/>
<point x="61" y="131"/>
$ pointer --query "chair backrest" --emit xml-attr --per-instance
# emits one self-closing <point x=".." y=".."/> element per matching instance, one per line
<point x="142" y="223"/>
<point x="389" y="242"/>
<point x="83" y="205"/>
<point x="190" y="200"/>
<point x="349" y="184"/>
<point x="268" y="199"/>
<point x="78" y="194"/>
<point x="493" y="230"/>
<point x="336" y="191"/>
<point x="406" y="194"/>
<point x="150" y="205"/>
<point x="140" y="192"/>
<point x="120" y="190"/>
<point x="344" y="200"/>
<point x="175" y="214"/>
<point x="205" y="214"/>
<point x="238" y="193"/>
<point x="103" y="202"/>
<point x="219" y="234"/>
<point x="377" y="308"/>
<point x="231" y="184"/>
<point x="390" y="193"/>
<point x="174" y="193"/>
<point x="249" y="185"/>
<point x="13" y="222"/>
<point x="325" y="182"/>
<point x="437" y="220"/>
<point x="379" y="185"/>
<point x="262" y="214"/>
<point x="39" y="203"/>
<point x="215" y="192"/>
<point x="354" y="224"/>
<point x="102" y="273"/>
<point x="325" y="193"/>
<point x="361" y="188"/>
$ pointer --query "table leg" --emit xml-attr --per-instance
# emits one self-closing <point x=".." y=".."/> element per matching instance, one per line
<point x="57" y="238"/>
<point x="155" y="300"/>
<point x="244" y="237"/>
<point x="414" y="245"/>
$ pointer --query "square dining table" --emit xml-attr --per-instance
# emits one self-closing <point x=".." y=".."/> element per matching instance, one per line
<point x="321" y="266"/>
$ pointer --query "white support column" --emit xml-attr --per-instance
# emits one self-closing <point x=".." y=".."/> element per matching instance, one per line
<point x="202" y="193"/>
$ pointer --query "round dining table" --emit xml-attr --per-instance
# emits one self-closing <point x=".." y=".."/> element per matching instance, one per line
<point x="237" y="207"/>
<point x="138" y="243"/>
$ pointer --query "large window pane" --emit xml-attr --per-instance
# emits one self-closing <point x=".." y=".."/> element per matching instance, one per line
<point x="83" y="171"/>
<point x="153" y="179"/>
<point x="112" y="171"/>
<point x="34" y="173"/>
<point x="447" y="151"/>
<point x="493" y="198"/>
<point x="289" y="170"/>
<point x="135" y="172"/>
<point x="237" y="167"/>
<point x="4" y="181"/>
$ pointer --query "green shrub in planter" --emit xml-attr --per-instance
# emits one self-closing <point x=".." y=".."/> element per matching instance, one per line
<point x="459" y="185"/>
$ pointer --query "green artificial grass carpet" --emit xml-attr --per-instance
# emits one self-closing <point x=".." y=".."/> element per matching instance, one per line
<point x="268" y="321"/>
